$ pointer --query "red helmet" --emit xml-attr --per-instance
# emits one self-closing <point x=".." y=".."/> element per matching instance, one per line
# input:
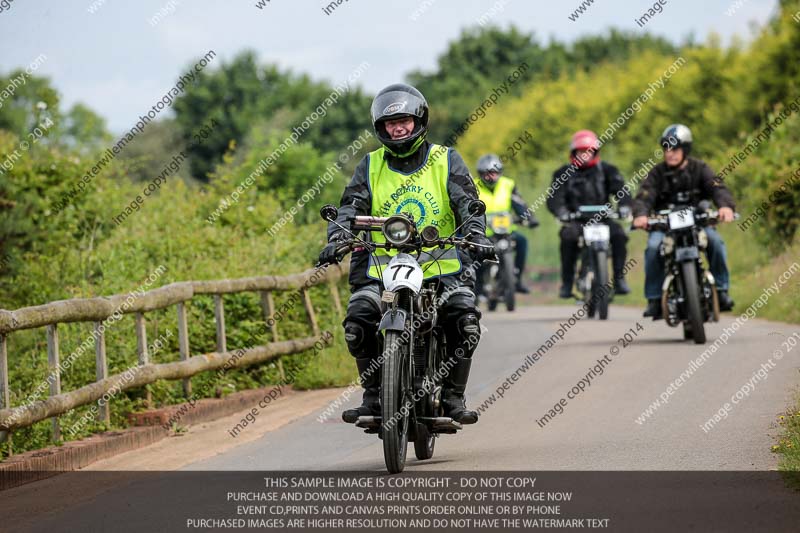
<point x="584" y="140"/>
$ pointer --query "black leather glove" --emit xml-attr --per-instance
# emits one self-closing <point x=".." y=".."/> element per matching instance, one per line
<point x="480" y="253"/>
<point x="328" y="254"/>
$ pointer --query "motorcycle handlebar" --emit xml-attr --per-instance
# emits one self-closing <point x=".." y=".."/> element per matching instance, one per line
<point x="584" y="216"/>
<point x="350" y="246"/>
<point x="705" y="218"/>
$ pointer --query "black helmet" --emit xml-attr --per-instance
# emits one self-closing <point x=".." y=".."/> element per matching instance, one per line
<point x="677" y="136"/>
<point x="489" y="163"/>
<point x="397" y="101"/>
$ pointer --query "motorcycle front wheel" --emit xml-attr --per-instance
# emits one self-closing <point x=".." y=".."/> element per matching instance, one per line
<point x="694" y="311"/>
<point x="600" y="286"/>
<point x="395" y="406"/>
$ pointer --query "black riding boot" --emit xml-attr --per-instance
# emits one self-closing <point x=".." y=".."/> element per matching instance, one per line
<point x="453" y="395"/>
<point x="370" y="376"/>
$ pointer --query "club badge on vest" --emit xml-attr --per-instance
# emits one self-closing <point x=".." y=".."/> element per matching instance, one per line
<point x="416" y="201"/>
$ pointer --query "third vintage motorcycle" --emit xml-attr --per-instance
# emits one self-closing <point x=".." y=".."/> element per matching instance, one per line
<point x="689" y="294"/>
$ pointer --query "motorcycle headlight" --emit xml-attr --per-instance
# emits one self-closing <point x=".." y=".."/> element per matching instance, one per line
<point x="397" y="230"/>
<point x="501" y="245"/>
<point x="668" y="244"/>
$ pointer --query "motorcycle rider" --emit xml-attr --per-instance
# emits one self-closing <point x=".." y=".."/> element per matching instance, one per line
<point x="588" y="181"/>
<point x="432" y="182"/>
<point x="500" y="194"/>
<point x="681" y="180"/>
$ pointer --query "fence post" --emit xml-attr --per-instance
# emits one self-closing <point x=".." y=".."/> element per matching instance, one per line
<point x="5" y="398"/>
<point x="312" y="318"/>
<point x="268" y="309"/>
<point x="219" y="319"/>
<point x="55" y="372"/>
<point x="141" y="350"/>
<point x="337" y="302"/>
<point x="101" y="366"/>
<point x="183" y="342"/>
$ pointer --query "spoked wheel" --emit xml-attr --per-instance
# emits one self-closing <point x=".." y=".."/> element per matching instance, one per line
<point x="600" y="286"/>
<point x="692" y="295"/>
<point x="395" y="407"/>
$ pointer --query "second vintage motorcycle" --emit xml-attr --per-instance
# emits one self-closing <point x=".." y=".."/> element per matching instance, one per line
<point x="498" y="279"/>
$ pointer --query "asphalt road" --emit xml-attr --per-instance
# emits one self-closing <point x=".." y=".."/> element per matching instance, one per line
<point x="597" y="429"/>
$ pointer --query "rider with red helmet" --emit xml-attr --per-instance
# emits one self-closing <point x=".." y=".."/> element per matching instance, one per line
<point x="587" y="181"/>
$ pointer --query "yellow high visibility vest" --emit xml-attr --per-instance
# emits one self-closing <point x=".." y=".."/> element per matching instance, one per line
<point x="497" y="200"/>
<point x="422" y="194"/>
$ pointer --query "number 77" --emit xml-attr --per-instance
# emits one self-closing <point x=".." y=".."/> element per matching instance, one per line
<point x="397" y="271"/>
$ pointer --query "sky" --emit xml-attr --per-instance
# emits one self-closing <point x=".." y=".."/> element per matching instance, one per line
<point x="119" y="59"/>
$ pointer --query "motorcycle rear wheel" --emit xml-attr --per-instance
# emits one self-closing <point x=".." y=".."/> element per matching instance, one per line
<point x="425" y="439"/>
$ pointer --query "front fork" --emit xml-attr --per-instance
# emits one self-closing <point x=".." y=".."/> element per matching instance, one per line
<point x="399" y="316"/>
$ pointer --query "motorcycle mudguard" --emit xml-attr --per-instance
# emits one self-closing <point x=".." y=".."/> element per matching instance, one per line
<point x="393" y="320"/>
<point x="686" y="253"/>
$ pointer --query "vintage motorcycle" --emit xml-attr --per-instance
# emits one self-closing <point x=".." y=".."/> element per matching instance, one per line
<point x="689" y="294"/>
<point x="498" y="279"/>
<point x="414" y="344"/>
<point x="593" y="280"/>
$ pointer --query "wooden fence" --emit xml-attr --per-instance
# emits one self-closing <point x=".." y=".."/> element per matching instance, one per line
<point x="98" y="310"/>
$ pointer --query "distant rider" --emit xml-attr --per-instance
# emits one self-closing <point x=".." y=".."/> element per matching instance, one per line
<point x="681" y="180"/>
<point x="588" y="181"/>
<point x="501" y="195"/>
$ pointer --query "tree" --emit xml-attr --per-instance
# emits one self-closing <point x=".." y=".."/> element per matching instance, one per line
<point x="84" y="129"/>
<point x="483" y="58"/>
<point x="23" y="99"/>
<point x="240" y="95"/>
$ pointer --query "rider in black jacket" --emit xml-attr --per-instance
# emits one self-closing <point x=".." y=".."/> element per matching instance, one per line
<point x="681" y="180"/>
<point x="588" y="181"/>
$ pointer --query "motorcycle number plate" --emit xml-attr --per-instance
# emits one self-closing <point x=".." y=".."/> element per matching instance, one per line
<point x="500" y="223"/>
<point x="388" y="297"/>
<point x="681" y="219"/>
<point x="596" y="233"/>
<point x="402" y="271"/>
